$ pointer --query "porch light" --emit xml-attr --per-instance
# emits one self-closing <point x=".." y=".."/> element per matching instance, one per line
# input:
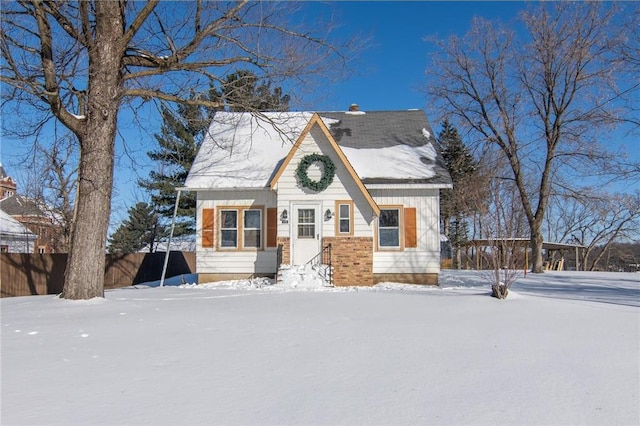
<point x="284" y="216"/>
<point x="328" y="215"/>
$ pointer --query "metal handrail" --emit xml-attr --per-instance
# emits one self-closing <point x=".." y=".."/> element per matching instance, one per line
<point x="278" y="261"/>
<point x="323" y="258"/>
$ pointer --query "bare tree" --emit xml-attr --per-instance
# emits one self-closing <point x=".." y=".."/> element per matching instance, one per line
<point x="52" y="183"/>
<point x="542" y="101"/>
<point x="82" y="61"/>
<point x="597" y="222"/>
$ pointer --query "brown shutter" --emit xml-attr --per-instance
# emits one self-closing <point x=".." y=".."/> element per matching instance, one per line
<point x="272" y="227"/>
<point x="410" y="229"/>
<point x="207" y="227"/>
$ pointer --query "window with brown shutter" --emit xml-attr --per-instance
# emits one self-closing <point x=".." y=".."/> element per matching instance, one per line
<point x="207" y="227"/>
<point x="410" y="228"/>
<point x="272" y="227"/>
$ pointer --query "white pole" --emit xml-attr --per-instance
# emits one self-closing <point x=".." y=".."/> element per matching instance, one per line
<point x="166" y="255"/>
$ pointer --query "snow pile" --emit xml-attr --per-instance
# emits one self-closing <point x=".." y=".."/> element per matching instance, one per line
<point x="302" y="277"/>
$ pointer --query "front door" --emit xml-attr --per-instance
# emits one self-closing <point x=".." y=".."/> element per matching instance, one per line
<point x="306" y="233"/>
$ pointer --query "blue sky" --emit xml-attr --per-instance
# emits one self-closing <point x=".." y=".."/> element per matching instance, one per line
<point x="392" y="70"/>
<point x="390" y="74"/>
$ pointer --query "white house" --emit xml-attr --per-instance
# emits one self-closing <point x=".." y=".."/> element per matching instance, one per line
<point x="14" y="236"/>
<point x="366" y="183"/>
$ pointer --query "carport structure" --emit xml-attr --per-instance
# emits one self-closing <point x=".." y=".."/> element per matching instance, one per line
<point x="500" y="244"/>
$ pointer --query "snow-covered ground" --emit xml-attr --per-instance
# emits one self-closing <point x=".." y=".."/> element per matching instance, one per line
<point x="563" y="348"/>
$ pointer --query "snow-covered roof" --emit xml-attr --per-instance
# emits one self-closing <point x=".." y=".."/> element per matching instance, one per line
<point x="243" y="150"/>
<point x="10" y="226"/>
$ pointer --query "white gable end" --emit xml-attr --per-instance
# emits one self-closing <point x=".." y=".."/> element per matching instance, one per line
<point x="343" y="186"/>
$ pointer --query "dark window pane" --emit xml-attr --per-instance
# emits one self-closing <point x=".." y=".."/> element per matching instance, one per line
<point x="306" y="231"/>
<point x="252" y="239"/>
<point x="344" y="225"/>
<point x="389" y="218"/>
<point x="229" y="219"/>
<point x="389" y="238"/>
<point x="306" y="216"/>
<point x="229" y="238"/>
<point x="344" y="211"/>
<point x="252" y="219"/>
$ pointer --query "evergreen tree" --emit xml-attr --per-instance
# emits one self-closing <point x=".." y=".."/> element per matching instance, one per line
<point x="456" y="203"/>
<point x="242" y="91"/>
<point x="142" y="228"/>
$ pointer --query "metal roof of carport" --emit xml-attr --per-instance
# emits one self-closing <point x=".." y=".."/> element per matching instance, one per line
<point x="491" y="242"/>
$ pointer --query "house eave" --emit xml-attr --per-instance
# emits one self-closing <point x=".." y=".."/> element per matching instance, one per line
<point x="408" y="185"/>
<point x="230" y="188"/>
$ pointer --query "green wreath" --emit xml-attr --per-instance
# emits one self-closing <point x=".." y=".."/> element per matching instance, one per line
<point x="329" y="170"/>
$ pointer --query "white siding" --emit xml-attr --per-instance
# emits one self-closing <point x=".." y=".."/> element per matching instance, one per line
<point x="212" y="260"/>
<point x="426" y="257"/>
<point x="18" y="243"/>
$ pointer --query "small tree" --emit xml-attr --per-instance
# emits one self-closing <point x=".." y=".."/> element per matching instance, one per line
<point x="141" y="229"/>
<point x="504" y="225"/>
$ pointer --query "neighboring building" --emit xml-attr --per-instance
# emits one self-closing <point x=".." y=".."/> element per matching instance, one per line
<point x="28" y="213"/>
<point x="7" y="185"/>
<point x="14" y="236"/>
<point x="366" y="183"/>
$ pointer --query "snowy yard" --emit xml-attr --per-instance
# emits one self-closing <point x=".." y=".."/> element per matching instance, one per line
<point x="563" y="348"/>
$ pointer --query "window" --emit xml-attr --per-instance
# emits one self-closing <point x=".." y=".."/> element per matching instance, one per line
<point x="344" y="220"/>
<point x="229" y="228"/>
<point x="389" y="228"/>
<point x="306" y="223"/>
<point x="240" y="228"/>
<point x="252" y="228"/>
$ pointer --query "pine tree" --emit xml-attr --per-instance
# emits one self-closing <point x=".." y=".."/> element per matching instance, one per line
<point x="141" y="229"/>
<point x="241" y="92"/>
<point x="455" y="203"/>
<point x="179" y="139"/>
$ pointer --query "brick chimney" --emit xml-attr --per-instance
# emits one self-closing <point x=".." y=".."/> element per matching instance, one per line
<point x="354" y="107"/>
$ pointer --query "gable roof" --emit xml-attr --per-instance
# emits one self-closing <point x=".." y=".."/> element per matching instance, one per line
<point x="317" y="121"/>
<point x="244" y="150"/>
<point x="17" y="205"/>
<point x="10" y="226"/>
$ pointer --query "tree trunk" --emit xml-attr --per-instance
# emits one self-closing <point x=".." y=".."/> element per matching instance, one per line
<point x="84" y="277"/>
<point x="536" y="250"/>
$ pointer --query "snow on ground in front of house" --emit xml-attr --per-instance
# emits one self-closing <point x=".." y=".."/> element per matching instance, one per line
<point x="563" y="348"/>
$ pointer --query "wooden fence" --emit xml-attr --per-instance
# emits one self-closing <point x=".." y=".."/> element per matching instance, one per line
<point x="24" y="274"/>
